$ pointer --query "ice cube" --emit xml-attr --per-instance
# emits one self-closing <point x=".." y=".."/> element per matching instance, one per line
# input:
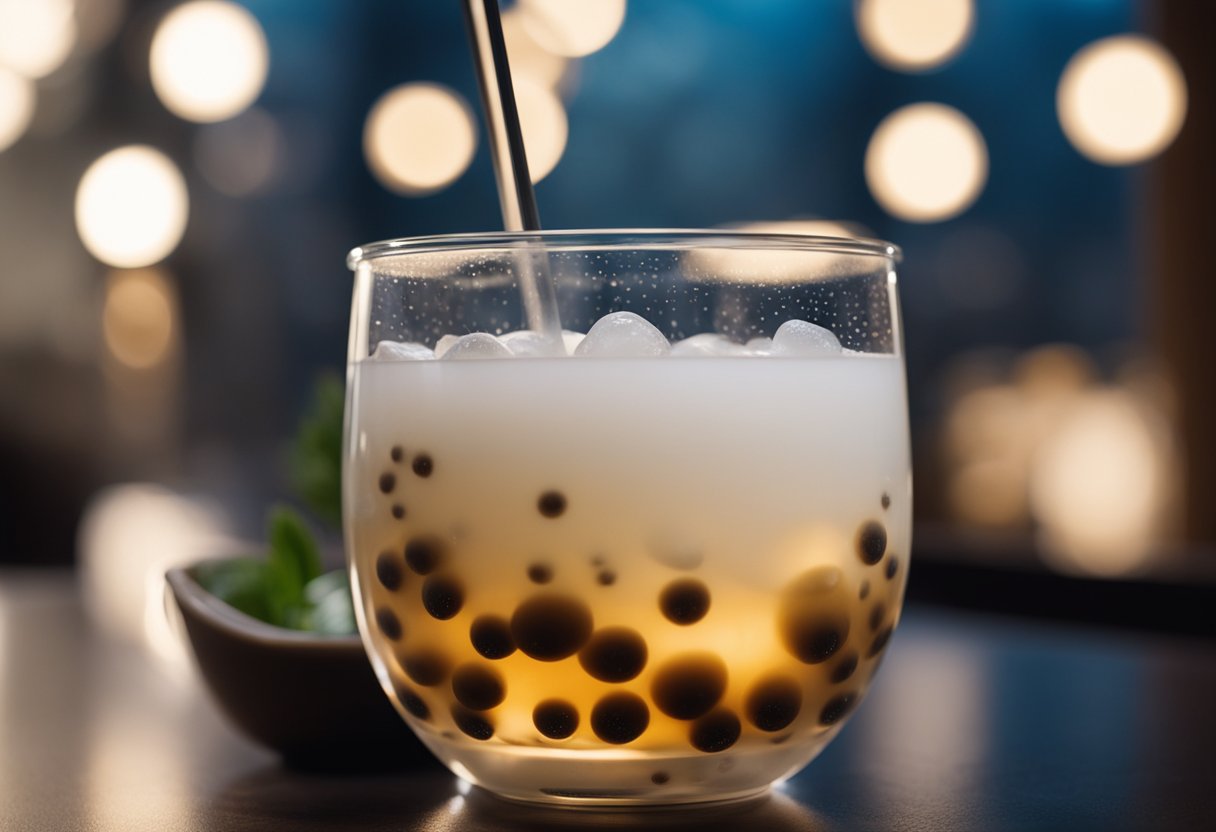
<point x="400" y="351"/>
<point x="444" y="344"/>
<point x="571" y="340"/>
<point x="760" y="346"/>
<point x="476" y="345"/>
<point x="527" y="342"/>
<point x="802" y="339"/>
<point x="623" y="335"/>
<point x="707" y="343"/>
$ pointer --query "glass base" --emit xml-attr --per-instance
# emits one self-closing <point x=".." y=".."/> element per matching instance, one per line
<point x="617" y="779"/>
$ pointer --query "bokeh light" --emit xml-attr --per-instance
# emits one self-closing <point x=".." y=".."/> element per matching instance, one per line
<point x="527" y="57"/>
<point x="17" y="100"/>
<point x="36" y="36"/>
<point x="775" y="265"/>
<point x="572" y="28"/>
<point x="418" y="138"/>
<point x="542" y="118"/>
<point x="208" y="60"/>
<point x="131" y="207"/>
<point x="1122" y="100"/>
<point x="138" y="317"/>
<point x="914" y="35"/>
<point x="926" y="162"/>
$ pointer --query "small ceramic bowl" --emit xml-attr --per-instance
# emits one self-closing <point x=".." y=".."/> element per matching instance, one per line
<point x="314" y="699"/>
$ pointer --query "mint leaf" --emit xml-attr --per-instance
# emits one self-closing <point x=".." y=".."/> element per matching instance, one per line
<point x="293" y="562"/>
<point x="330" y="607"/>
<point x="316" y="456"/>
<point x="239" y="582"/>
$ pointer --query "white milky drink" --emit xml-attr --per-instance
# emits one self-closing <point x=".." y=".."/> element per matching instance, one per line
<point x="634" y="578"/>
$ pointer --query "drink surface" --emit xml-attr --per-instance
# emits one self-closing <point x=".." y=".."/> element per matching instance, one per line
<point x="628" y="560"/>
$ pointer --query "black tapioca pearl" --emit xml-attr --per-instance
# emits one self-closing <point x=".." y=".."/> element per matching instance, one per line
<point x="425" y="667"/>
<point x="685" y="601"/>
<point x="886" y="500"/>
<point x="864" y="592"/>
<point x="411" y="701"/>
<point x="555" y="718"/>
<point x="398" y="511"/>
<point x="813" y="619"/>
<point x="716" y="731"/>
<point x="423" y="465"/>
<point x="472" y="723"/>
<point x="689" y="685"/>
<point x="549" y="626"/>
<point x="619" y="718"/>
<point x="892" y="567"/>
<point x="817" y="641"/>
<point x="879" y="642"/>
<point x="551" y="504"/>
<point x="877" y="615"/>
<point x="540" y="573"/>
<point x="871" y="542"/>
<point x="614" y="654"/>
<point x="388" y="623"/>
<point x="660" y="778"/>
<point x="837" y="708"/>
<point x="773" y="703"/>
<point x="491" y="636"/>
<point x="397" y="453"/>
<point x="388" y="481"/>
<point x="844" y="669"/>
<point x="388" y="570"/>
<point x="606" y="577"/>
<point x="443" y="596"/>
<point x="478" y="687"/>
<point x="425" y="553"/>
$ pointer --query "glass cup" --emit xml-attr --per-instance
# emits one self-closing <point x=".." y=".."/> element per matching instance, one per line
<point x="658" y="563"/>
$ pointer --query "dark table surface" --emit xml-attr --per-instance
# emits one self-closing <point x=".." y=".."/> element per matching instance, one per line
<point x="975" y="722"/>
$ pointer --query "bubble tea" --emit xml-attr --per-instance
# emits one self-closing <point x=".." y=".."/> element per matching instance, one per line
<point x="629" y="567"/>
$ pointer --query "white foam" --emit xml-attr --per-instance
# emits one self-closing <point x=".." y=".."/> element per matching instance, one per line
<point x="707" y="344"/>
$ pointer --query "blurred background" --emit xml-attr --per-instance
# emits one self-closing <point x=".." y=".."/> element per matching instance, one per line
<point x="180" y="182"/>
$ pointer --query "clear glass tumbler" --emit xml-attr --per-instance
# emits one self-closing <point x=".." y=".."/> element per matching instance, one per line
<point x="658" y="563"/>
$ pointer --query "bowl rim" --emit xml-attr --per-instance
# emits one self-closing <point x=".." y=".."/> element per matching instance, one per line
<point x="192" y="595"/>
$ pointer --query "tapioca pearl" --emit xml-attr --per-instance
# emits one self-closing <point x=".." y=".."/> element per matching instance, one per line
<point x="837" y="708"/>
<point x="689" y="685"/>
<point x="685" y="601"/>
<point x="844" y="669"/>
<point x="397" y="453"/>
<point x="879" y="642"/>
<point x="606" y="577"/>
<point x="387" y="482"/>
<point x="540" y="573"/>
<point x="892" y="567"/>
<point x="550" y="626"/>
<point x="388" y="623"/>
<point x="425" y="666"/>
<point x="423" y="465"/>
<point x="886" y="500"/>
<point x="442" y="596"/>
<point x="423" y="554"/>
<point x="551" y="504"/>
<point x="614" y="654"/>
<point x="389" y="571"/>
<point x="877" y="614"/>
<point x="472" y="724"/>
<point x="398" y="511"/>
<point x="414" y="704"/>
<point x="864" y="592"/>
<point x="773" y="702"/>
<point x="871" y="542"/>
<point x="660" y="778"/>
<point x="478" y="687"/>
<point x="813" y="616"/>
<point x="491" y="636"/>
<point x="620" y="718"/>
<point x="716" y="731"/>
<point x="556" y="719"/>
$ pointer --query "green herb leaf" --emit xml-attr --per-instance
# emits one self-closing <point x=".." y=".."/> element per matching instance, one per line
<point x="239" y="582"/>
<point x="331" y="611"/>
<point x="293" y="562"/>
<point x="316" y="458"/>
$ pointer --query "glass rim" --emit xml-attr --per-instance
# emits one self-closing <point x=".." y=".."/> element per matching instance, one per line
<point x="625" y="238"/>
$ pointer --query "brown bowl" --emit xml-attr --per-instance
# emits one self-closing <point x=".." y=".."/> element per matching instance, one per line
<point x="312" y="698"/>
